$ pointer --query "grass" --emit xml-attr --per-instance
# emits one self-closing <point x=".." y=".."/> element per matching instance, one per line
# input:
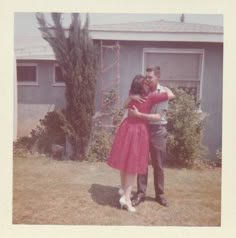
<point x="46" y="191"/>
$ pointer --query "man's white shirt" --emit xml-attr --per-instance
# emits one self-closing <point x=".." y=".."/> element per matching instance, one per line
<point x="160" y="108"/>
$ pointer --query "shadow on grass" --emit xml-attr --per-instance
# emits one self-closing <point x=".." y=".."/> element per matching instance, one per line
<point x="107" y="195"/>
<point x="104" y="195"/>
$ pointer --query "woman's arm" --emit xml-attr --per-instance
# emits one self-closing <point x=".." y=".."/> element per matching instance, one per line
<point x="170" y="93"/>
<point x="154" y="97"/>
<point x="133" y="97"/>
<point x="163" y="96"/>
<point x="150" y="117"/>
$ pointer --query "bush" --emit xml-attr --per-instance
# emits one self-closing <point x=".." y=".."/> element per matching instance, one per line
<point x="219" y="154"/>
<point x="49" y="132"/>
<point x="99" y="146"/>
<point x="23" y="145"/>
<point x="118" y="115"/>
<point x="218" y="162"/>
<point x="185" y="127"/>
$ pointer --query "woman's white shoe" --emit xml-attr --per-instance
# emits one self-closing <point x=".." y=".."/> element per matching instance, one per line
<point x="124" y="205"/>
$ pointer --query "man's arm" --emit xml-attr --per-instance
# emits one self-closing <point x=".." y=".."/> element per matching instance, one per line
<point x="150" y="117"/>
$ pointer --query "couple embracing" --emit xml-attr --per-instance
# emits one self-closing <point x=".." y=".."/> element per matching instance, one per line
<point x="143" y="130"/>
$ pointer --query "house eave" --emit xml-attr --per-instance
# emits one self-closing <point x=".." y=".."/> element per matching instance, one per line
<point x="35" y="57"/>
<point x="160" y="36"/>
<point x="42" y="52"/>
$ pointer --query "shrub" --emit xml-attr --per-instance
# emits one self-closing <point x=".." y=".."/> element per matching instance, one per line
<point x="118" y="115"/>
<point x="23" y="145"/>
<point x="110" y="100"/>
<point x="219" y="154"/>
<point x="185" y="127"/>
<point x="218" y="161"/>
<point x="49" y="132"/>
<point x="99" y="146"/>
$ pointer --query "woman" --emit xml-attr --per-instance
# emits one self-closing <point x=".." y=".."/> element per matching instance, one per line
<point x="130" y="148"/>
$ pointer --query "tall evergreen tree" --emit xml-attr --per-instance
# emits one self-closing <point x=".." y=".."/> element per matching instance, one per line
<point x="76" y="55"/>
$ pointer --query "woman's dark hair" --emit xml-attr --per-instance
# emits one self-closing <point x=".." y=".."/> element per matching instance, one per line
<point x="137" y="85"/>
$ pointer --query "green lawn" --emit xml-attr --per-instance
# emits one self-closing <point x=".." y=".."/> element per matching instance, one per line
<point x="46" y="191"/>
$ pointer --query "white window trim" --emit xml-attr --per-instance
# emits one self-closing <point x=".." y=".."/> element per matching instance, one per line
<point x="22" y="83"/>
<point x="201" y="52"/>
<point x="54" y="83"/>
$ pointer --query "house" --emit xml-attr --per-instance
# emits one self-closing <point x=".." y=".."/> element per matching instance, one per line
<point x="190" y="55"/>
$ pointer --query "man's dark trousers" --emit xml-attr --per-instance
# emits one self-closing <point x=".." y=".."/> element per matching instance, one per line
<point x="158" y="138"/>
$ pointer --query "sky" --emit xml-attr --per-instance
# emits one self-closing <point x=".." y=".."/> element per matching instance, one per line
<point x="25" y="24"/>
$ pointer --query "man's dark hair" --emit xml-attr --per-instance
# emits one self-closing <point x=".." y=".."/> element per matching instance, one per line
<point x="156" y="70"/>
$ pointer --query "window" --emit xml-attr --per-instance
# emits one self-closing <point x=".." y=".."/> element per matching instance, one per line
<point x="58" y="77"/>
<point x="181" y="68"/>
<point x="27" y="74"/>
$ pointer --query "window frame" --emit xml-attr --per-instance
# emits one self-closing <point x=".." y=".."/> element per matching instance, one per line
<point x="201" y="52"/>
<point x="26" y="83"/>
<point x="60" y="84"/>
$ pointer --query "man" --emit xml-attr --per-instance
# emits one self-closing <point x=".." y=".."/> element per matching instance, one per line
<point x="158" y="137"/>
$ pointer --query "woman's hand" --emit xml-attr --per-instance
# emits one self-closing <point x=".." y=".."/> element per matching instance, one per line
<point x="134" y="112"/>
<point x="150" y="117"/>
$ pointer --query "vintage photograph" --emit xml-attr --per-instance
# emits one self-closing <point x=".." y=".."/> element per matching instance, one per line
<point x="117" y="119"/>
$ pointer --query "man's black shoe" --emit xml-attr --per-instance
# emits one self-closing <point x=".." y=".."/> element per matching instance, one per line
<point x="137" y="199"/>
<point x="162" y="201"/>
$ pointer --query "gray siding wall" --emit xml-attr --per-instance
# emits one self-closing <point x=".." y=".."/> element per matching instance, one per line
<point x="44" y="92"/>
<point x="131" y="59"/>
<point x="35" y="101"/>
<point x="212" y="94"/>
